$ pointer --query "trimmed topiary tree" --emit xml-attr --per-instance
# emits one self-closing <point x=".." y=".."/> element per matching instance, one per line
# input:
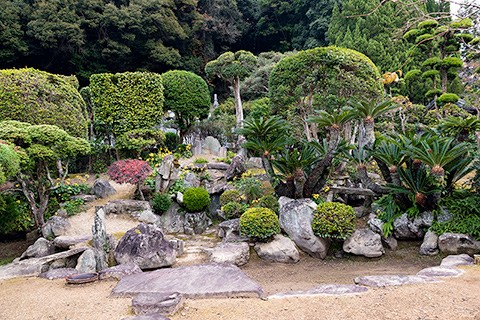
<point x="259" y="223"/>
<point x="127" y="101"/>
<point x="234" y="210"/>
<point x="269" y="202"/>
<point x="186" y="95"/>
<point x="333" y="220"/>
<point x="9" y="161"/>
<point x="130" y="171"/>
<point x="39" y="97"/>
<point x="315" y="76"/>
<point x="230" y="196"/>
<point x="38" y="148"/>
<point x="196" y="199"/>
<point x="161" y="202"/>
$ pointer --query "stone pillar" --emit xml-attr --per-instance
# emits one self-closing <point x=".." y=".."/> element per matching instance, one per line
<point x="99" y="240"/>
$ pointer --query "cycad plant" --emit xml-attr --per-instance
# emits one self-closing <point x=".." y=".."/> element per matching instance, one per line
<point x="368" y="111"/>
<point x="458" y="127"/>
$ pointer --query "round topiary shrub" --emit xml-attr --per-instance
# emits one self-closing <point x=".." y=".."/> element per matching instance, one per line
<point x="269" y="202"/>
<point x="234" y="210"/>
<point x="230" y="196"/>
<point x="196" y="199"/>
<point x="259" y="223"/>
<point x="333" y="220"/>
<point x="161" y="202"/>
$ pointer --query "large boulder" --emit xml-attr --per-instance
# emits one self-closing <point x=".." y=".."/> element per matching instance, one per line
<point x="457" y="260"/>
<point x="146" y="247"/>
<point x="65" y="242"/>
<point x="236" y="168"/>
<point x="377" y="226"/>
<point x="211" y="145"/>
<point x="191" y="180"/>
<point x="58" y="273"/>
<point x="229" y="231"/>
<point x="55" y="226"/>
<point x="457" y="243"/>
<point x="295" y="219"/>
<point x="364" y="242"/>
<point x="173" y="220"/>
<point x="41" y="248"/>
<point x="196" y="222"/>
<point x="118" y="272"/>
<point x="429" y="245"/>
<point x="405" y="228"/>
<point x="280" y="249"/>
<point x="160" y="303"/>
<point x="230" y="252"/>
<point x="254" y="163"/>
<point x="102" y="189"/>
<point x="86" y="262"/>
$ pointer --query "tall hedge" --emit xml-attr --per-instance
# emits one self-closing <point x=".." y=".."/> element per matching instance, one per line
<point x="127" y="101"/>
<point x="39" y="97"/>
<point x="186" y="94"/>
<point x="330" y="74"/>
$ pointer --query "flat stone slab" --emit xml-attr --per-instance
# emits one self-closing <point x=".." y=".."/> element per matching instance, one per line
<point x="386" y="280"/>
<point x="34" y="266"/>
<point x="65" y="242"/>
<point x="195" y="282"/>
<point x="60" y="273"/>
<point x="457" y="260"/>
<point x="162" y="303"/>
<point x="440" y="272"/>
<point x="324" y="289"/>
<point x="151" y="316"/>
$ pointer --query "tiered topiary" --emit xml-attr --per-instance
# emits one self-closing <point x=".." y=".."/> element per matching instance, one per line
<point x="161" y="202"/>
<point x="333" y="220"/>
<point x="230" y="196"/>
<point x="269" y="202"/>
<point x="259" y="223"/>
<point x="234" y="210"/>
<point x="196" y="199"/>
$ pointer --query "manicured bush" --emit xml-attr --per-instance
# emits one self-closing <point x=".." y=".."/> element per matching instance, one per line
<point x="333" y="220"/>
<point x="196" y="199"/>
<point x="9" y="162"/>
<point x="234" y="210"/>
<point x="259" y="223"/>
<point x="140" y="140"/>
<point x="38" y="97"/>
<point x="269" y="202"/>
<point x="127" y="101"/>
<point x="130" y="171"/>
<point x="448" y="98"/>
<point x="161" y="202"/>
<point x="230" y="196"/>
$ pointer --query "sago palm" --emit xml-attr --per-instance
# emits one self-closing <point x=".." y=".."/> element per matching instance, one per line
<point x="461" y="128"/>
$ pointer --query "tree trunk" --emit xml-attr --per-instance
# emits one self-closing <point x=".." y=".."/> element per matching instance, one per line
<point x="369" y="132"/>
<point x="239" y="115"/>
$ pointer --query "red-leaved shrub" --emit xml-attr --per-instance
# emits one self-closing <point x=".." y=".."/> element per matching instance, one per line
<point x="130" y="171"/>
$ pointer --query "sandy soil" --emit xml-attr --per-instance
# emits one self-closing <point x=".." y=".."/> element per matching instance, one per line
<point x="455" y="298"/>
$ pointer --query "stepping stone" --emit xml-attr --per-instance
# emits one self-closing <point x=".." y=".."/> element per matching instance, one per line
<point x="385" y="280"/>
<point x="324" y="289"/>
<point x="440" y="272"/>
<point x="195" y="282"/>
<point x="457" y="260"/>
<point x="162" y="303"/>
<point x="150" y="316"/>
<point x="61" y="273"/>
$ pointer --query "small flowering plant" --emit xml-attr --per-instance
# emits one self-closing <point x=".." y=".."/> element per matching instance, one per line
<point x="320" y="198"/>
<point x="64" y="191"/>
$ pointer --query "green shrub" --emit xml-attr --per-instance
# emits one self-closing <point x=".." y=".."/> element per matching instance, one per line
<point x="333" y="220"/>
<point x="226" y="160"/>
<point x="269" y="202"/>
<point x="250" y="186"/>
<point x="161" y="202"/>
<point x="9" y="162"/>
<point x="200" y="160"/>
<point x="448" y="98"/>
<point x="73" y="206"/>
<point x="230" y="196"/>
<point x="234" y="210"/>
<point x="259" y="223"/>
<point x="196" y="199"/>
<point x="171" y="141"/>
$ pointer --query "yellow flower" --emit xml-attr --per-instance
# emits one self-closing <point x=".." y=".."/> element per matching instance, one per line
<point x="315" y="196"/>
<point x="17" y="185"/>
<point x="69" y="188"/>
<point x="326" y="189"/>
<point x="18" y="201"/>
